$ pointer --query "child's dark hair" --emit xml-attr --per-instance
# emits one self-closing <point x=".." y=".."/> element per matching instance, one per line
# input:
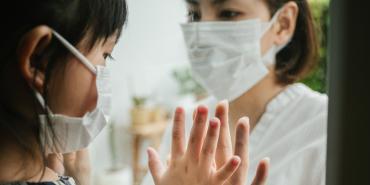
<point x="76" y="20"/>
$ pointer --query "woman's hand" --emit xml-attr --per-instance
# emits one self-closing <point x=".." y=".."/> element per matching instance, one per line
<point x="225" y="150"/>
<point x="196" y="165"/>
<point x="75" y="165"/>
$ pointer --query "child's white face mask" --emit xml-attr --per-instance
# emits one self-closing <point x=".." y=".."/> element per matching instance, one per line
<point x="226" y="57"/>
<point x="75" y="133"/>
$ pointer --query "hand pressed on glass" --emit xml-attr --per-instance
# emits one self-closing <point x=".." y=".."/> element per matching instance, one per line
<point x="196" y="164"/>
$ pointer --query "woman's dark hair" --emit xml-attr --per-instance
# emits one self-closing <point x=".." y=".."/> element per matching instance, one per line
<point x="300" y="56"/>
<point x="75" y="20"/>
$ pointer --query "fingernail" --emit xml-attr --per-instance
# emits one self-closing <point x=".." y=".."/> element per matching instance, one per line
<point x="244" y="119"/>
<point x="235" y="161"/>
<point x="202" y="109"/>
<point x="214" y="122"/>
<point x="179" y="110"/>
<point x="267" y="159"/>
<point x="225" y="102"/>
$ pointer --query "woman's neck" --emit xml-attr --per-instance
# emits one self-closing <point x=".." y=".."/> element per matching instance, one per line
<point x="17" y="166"/>
<point x="254" y="102"/>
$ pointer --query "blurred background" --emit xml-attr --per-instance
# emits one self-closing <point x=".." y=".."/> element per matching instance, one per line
<point x="151" y="77"/>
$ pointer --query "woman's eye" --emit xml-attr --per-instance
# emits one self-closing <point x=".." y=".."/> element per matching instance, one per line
<point x="193" y="16"/>
<point x="228" y="14"/>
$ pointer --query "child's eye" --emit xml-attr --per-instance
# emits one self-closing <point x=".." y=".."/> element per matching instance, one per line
<point x="108" y="56"/>
<point x="229" y="14"/>
<point x="193" y="16"/>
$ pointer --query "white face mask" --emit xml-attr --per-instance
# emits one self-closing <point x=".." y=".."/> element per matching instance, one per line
<point x="226" y="57"/>
<point x="75" y="133"/>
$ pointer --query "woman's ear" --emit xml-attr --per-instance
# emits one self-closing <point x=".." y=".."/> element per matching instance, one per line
<point x="29" y="54"/>
<point x="286" y="23"/>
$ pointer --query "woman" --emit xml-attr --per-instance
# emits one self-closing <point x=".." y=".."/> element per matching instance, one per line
<point x="252" y="53"/>
<point x="55" y="99"/>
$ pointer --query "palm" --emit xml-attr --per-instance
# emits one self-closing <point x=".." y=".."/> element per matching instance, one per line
<point x="208" y="158"/>
<point x="196" y="164"/>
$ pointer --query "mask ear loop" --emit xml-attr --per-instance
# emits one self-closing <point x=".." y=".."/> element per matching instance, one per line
<point x="75" y="52"/>
<point x="42" y="102"/>
<point x="266" y="26"/>
<point x="268" y="58"/>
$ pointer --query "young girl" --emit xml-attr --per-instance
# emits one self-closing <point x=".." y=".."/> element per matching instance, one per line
<point x="55" y="99"/>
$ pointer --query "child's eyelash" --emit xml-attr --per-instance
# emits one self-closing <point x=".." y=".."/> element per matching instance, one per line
<point x="109" y="56"/>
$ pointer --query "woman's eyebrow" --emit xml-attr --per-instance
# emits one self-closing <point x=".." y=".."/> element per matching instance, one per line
<point x="218" y="1"/>
<point x="196" y="2"/>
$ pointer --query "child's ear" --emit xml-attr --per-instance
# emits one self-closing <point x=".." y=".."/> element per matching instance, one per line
<point x="286" y="23"/>
<point x="29" y="54"/>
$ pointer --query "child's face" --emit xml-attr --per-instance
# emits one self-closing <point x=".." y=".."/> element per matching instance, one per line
<point x="73" y="91"/>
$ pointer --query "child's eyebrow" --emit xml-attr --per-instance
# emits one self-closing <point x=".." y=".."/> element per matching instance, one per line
<point x="192" y="2"/>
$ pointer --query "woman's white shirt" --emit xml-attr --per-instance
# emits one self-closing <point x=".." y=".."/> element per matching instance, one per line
<point x="291" y="132"/>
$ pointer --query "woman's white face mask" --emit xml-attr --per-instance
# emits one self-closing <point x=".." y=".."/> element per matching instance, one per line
<point x="75" y="133"/>
<point x="226" y="57"/>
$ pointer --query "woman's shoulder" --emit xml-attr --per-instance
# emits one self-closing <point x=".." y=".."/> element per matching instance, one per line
<point x="299" y="98"/>
<point x="313" y="104"/>
<point x="305" y="115"/>
<point x="313" y="98"/>
<point x="297" y="112"/>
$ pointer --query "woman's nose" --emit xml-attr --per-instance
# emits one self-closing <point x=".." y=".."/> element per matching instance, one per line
<point x="208" y="13"/>
<point x="207" y="17"/>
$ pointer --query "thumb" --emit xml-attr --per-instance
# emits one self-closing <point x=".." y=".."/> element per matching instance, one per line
<point x="155" y="165"/>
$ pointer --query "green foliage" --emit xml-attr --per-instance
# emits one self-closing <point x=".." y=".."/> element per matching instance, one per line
<point x="317" y="79"/>
<point x="186" y="82"/>
<point x="138" y="101"/>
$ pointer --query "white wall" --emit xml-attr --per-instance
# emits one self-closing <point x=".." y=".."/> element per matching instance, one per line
<point x="151" y="46"/>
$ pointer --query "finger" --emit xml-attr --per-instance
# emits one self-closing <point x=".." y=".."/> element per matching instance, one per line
<point x="197" y="134"/>
<point x="55" y="162"/>
<point x="241" y="150"/>
<point x="210" y="143"/>
<point x="155" y="165"/>
<point x="178" y="135"/>
<point x="69" y="162"/>
<point x="70" y="157"/>
<point x="228" y="169"/>
<point x="262" y="172"/>
<point x="224" y="145"/>
<point x="83" y="160"/>
<point x="194" y="114"/>
<point x="82" y="154"/>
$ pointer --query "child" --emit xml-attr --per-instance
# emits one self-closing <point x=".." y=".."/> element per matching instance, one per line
<point x="55" y="97"/>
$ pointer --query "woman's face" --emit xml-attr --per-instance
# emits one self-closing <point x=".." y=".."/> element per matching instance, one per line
<point x="238" y="10"/>
<point x="73" y="90"/>
<point x="227" y="10"/>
